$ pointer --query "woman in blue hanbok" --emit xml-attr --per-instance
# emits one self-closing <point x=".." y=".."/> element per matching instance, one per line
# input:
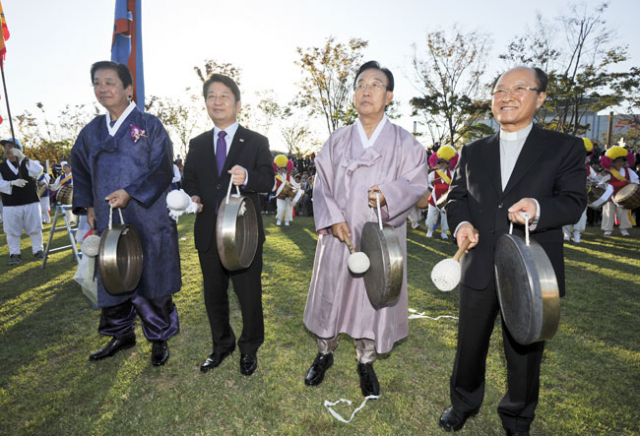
<point x="123" y="159"/>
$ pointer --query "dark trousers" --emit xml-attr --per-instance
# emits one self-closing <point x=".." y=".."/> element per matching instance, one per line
<point x="159" y="318"/>
<point x="247" y="285"/>
<point x="478" y="312"/>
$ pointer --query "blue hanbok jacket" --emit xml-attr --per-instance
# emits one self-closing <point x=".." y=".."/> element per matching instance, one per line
<point x="103" y="164"/>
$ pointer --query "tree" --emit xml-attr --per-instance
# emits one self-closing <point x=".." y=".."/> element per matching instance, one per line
<point x="579" y="64"/>
<point x="44" y="139"/>
<point x="210" y="67"/>
<point x="326" y="90"/>
<point x="449" y="80"/>
<point x="181" y="119"/>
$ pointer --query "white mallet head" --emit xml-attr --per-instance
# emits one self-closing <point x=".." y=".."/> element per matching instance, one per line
<point x="446" y="275"/>
<point x="178" y="200"/>
<point x="91" y="245"/>
<point x="358" y="263"/>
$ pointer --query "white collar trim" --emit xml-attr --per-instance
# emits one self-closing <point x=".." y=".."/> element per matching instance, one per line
<point x="514" y="136"/>
<point x="113" y="130"/>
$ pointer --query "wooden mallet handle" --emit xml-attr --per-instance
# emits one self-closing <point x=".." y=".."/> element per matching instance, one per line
<point x="348" y="242"/>
<point x="462" y="249"/>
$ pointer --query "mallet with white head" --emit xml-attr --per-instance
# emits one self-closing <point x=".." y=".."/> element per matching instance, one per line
<point x="446" y="274"/>
<point x="358" y="261"/>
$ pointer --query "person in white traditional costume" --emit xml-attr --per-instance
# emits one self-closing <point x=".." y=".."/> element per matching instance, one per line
<point x="579" y="227"/>
<point x="372" y="156"/>
<point x="443" y="163"/>
<point x="283" y="167"/>
<point x="618" y="175"/>
<point x="21" y="210"/>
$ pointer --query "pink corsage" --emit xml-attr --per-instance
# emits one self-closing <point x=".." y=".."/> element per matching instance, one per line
<point x="136" y="133"/>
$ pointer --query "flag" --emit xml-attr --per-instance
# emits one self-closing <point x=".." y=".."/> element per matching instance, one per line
<point x="126" y="45"/>
<point x="5" y="35"/>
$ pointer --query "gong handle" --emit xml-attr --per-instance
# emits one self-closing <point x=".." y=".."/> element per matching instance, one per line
<point x="348" y="242"/>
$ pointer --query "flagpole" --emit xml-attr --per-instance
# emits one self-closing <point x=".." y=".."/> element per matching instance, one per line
<point x="6" y="98"/>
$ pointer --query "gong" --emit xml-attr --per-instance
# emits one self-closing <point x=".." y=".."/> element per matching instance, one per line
<point x="383" y="279"/>
<point x="237" y="232"/>
<point x="527" y="289"/>
<point x="120" y="257"/>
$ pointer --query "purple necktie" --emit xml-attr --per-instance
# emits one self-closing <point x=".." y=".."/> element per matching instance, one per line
<point x="221" y="150"/>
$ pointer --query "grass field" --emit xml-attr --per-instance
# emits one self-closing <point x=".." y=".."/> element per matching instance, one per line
<point x="590" y="380"/>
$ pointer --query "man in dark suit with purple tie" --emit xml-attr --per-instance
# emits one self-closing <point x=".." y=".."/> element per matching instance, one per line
<point x="228" y="152"/>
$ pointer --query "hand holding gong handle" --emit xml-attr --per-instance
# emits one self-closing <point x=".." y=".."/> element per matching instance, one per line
<point x="358" y="262"/>
<point x="446" y="274"/>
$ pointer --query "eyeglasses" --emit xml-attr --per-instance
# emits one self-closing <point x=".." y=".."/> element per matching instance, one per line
<point x="375" y="86"/>
<point x="516" y="91"/>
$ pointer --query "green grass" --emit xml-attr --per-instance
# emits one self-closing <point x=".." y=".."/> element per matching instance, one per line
<point x="590" y="375"/>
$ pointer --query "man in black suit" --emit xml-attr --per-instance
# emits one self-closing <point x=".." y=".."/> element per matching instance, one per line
<point x="228" y="152"/>
<point x="521" y="169"/>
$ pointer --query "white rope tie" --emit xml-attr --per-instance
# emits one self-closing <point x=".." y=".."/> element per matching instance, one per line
<point x="328" y="404"/>
<point x="421" y="315"/>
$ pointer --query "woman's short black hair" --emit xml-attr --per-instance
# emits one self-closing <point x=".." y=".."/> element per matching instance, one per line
<point x="123" y="72"/>
<point x="376" y="66"/>
<point x="226" y="81"/>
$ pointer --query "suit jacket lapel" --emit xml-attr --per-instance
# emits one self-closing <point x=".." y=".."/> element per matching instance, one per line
<point x="239" y="140"/>
<point x="491" y="156"/>
<point x="531" y="151"/>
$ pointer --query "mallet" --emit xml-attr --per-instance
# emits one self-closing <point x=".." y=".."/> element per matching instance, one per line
<point x="446" y="274"/>
<point x="358" y="262"/>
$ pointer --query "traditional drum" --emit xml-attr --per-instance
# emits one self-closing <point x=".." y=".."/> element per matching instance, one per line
<point x="236" y="231"/>
<point x="65" y="195"/>
<point x="527" y="289"/>
<point x="442" y="201"/>
<point x="41" y="188"/>
<point x="598" y="194"/>
<point x="120" y="257"/>
<point x="628" y="197"/>
<point x="424" y="201"/>
<point x="284" y="189"/>
<point x="383" y="279"/>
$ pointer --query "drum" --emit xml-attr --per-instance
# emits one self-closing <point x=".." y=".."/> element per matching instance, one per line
<point x="65" y="195"/>
<point x="424" y="201"/>
<point x="120" y="257"/>
<point x="598" y="194"/>
<point x="41" y="188"/>
<point x="527" y="289"/>
<point x="285" y="190"/>
<point x="442" y="201"/>
<point x="628" y="197"/>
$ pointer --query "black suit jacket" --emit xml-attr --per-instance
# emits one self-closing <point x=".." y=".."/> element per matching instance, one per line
<point x="249" y="150"/>
<point x="550" y="169"/>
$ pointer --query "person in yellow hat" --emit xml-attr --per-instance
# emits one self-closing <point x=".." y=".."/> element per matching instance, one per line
<point x="443" y="162"/>
<point x="283" y="167"/>
<point x="618" y="175"/>
<point x="576" y="229"/>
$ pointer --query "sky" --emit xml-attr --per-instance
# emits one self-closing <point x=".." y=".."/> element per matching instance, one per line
<point x="54" y="43"/>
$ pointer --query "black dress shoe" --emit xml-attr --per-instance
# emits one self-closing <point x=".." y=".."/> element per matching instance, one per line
<point x="320" y="364"/>
<point x="159" y="353"/>
<point x="453" y="420"/>
<point x="214" y="360"/>
<point x="114" y="345"/>
<point x="368" y="381"/>
<point x="248" y="364"/>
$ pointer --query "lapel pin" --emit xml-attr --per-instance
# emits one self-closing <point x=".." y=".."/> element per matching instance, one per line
<point x="241" y="140"/>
